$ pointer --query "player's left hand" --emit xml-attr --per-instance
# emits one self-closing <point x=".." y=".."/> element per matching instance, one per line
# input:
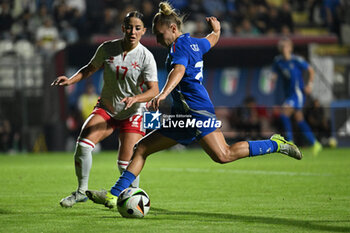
<point x="129" y="101"/>
<point x="155" y="102"/>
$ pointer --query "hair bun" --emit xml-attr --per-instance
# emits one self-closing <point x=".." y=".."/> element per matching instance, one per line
<point x="165" y="8"/>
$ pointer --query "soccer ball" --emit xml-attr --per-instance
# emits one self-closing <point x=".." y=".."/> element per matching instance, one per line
<point x="133" y="203"/>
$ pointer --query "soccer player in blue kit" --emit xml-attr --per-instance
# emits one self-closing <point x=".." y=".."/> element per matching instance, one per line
<point x="184" y="83"/>
<point x="291" y="67"/>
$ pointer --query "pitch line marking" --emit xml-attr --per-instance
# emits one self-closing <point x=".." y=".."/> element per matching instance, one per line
<point x="249" y="172"/>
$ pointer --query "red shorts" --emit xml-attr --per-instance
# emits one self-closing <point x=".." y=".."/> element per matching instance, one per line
<point x="131" y="125"/>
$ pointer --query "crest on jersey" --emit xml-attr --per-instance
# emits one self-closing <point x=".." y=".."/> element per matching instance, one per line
<point x="135" y="65"/>
<point x="194" y="47"/>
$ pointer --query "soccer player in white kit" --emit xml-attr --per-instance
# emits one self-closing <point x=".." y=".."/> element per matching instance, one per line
<point x="128" y="65"/>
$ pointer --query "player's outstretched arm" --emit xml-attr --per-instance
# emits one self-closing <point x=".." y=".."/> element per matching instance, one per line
<point x="308" y="87"/>
<point x="152" y="91"/>
<point x="214" y="36"/>
<point x="84" y="72"/>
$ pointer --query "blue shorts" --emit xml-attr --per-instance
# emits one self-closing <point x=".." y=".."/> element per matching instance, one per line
<point x="193" y="131"/>
<point x="296" y="101"/>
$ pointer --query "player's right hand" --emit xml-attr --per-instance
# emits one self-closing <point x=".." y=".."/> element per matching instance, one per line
<point x="60" y="81"/>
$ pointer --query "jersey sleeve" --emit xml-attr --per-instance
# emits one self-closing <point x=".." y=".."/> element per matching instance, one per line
<point x="179" y="55"/>
<point x="99" y="56"/>
<point x="150" y="69"/>
<point x="302" y="63"/>
<point x="204" y="45"/>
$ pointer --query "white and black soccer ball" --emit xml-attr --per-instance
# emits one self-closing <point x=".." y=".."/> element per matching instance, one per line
<point x="133" y="203"/>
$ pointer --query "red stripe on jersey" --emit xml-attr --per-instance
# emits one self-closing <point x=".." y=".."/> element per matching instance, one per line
<point x="174" y="47"/>
<point x="141" y="85"/>
<point x="88" y="143"/>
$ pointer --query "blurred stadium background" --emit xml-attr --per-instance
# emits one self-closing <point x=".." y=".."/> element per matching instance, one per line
<point x="41" y="39"/>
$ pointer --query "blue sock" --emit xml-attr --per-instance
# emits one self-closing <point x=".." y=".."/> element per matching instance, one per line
<point x="305" y="128"/>
<point x="123" y="182"/>
<point x="287" y="125"/>
<point x="262" y="147"/>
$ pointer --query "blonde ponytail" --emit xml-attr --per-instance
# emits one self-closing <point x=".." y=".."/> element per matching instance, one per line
<point x="167" y="15"/>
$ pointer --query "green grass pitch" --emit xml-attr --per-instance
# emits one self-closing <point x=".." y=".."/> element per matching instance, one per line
<point x="189" y="193"/>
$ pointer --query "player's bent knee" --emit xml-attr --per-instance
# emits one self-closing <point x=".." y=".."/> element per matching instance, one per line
<point x="141" y="149"/>
<point x="222" y="157"/>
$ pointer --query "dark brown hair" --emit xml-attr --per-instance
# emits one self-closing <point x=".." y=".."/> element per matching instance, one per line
<point x="131" y="14"/>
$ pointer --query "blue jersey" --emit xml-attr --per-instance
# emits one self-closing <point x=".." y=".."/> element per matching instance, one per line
<point x="292" y="73"/>
<point x="189" y="94"/>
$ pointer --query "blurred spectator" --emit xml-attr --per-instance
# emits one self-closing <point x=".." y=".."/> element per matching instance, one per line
<point x="285" y="30"/>
<point x="19" y="6"/>
<point x="63" y="18"/>
<point x="195" y="8"/>
<point x="76" y="5"/>
<point x="94" y="15"/>
<point x="22" y="27"/>
<point x="27" y="23"/>
<point x="246" y="28"/>
<point x="87" y="101"/>
<point x="118" y="5"/>
<point x="61" y="14"/>
<point x="78" y="20"/>
<point x="6" y="20"/>
<point x="313" y="5"/>
<point x="47" y="37"/>
<point x="214" y="7"/>
<point x="122" y="5"/>
<point x="274" y="24"/>
<point x="300" y="5"/>
<point x="262" y="18"/>
<point x="180" y="4"/>
<point x="108" y="26"/>
<point x="69" y="34"/>
<point x="147" y="9"/>
<point x="285" y="17"/>
<point x="38" y="19"/>
<point x="331" y="14"/>
<point x="200" y="29"/>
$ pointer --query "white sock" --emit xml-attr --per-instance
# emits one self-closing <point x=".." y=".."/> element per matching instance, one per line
<point x="83" y="162"/>
<point x="122" y="165"/>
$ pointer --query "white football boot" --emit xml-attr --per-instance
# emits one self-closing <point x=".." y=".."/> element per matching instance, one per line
<point x="73" y="198"/>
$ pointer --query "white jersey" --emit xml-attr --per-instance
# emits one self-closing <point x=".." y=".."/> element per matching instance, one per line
<point x="123" y="76"/>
